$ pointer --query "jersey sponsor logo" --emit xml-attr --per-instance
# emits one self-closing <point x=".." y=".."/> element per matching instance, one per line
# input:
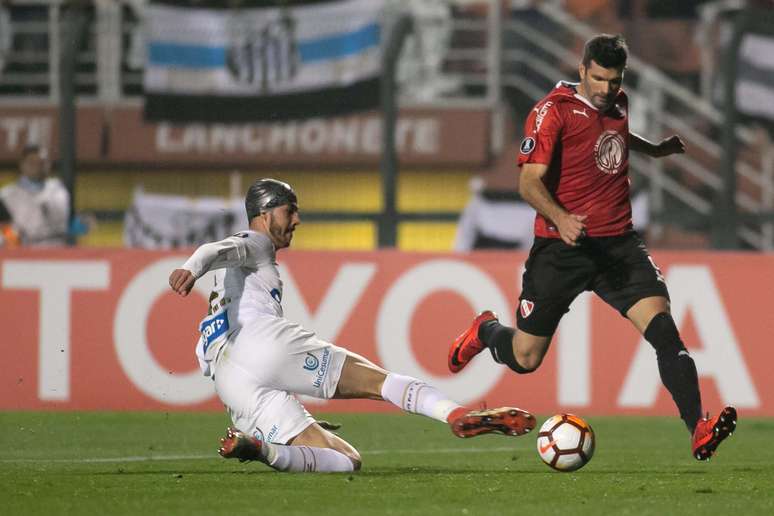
<point x="609" y="152"/>
<point x="214" y="327"/>
<point x="311" y="362"/>
<point x="576" y="112"/>
<point x="270" y="436"/>
<point x="526" y="307"/>
<point x="527" y="145"/>
<point x="542" y="111"/>
<point x="276" y="294"/>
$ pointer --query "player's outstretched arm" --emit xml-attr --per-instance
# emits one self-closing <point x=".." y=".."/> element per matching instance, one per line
<point x="666" y="147"/>
<point x="229" y="252"/>
<point x="182" y="281"/>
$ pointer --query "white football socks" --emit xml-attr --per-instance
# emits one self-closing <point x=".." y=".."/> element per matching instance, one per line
<point x="417" y="397"/>
<point x="305" y="458"/>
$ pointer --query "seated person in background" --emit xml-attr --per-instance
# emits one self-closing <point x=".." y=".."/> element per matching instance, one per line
<point x="496" y="216"/>
<point x="8" y="236"/>
<point x="38" y="203"/>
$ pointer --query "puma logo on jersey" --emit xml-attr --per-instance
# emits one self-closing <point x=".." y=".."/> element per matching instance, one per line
<point x="576" y="112"/>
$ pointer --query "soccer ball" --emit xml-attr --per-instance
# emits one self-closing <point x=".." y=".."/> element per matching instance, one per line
<point x="565" y="442"/>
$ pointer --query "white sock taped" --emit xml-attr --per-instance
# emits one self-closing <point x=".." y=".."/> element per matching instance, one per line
<point x="417" y="397"/>
<point x="306" y="458"/>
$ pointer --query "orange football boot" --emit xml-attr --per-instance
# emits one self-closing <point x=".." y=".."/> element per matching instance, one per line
<point x="238" y="445"/>
<point x="709" y="433"/>
<point x="503" y="420"/>
<point x="468" y="345"/>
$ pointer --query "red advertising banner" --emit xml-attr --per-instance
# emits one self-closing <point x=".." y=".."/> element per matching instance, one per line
<point x="119" y="135"/>
<point x="20" y="125"/>
<point x="100" y="330"/>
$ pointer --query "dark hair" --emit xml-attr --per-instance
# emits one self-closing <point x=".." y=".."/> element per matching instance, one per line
<point x="608" y="51"/>
<point x="266" y="194"/>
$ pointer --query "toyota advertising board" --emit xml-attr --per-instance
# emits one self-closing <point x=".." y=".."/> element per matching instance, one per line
<point x="100" y="330"/>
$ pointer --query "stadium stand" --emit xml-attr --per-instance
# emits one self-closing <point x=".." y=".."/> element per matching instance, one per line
<point x="463" y="65"/>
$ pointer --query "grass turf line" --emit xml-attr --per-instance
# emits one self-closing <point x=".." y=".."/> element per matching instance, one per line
<point x="76" y="463"/>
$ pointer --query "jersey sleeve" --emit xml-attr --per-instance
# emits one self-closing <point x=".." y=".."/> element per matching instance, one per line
<point x="541" y="132"/>
<point x="246" y="249"/>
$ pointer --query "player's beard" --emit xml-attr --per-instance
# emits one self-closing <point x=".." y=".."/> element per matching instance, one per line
<point x="279" y="235"/>
<point x="603" y="102"/>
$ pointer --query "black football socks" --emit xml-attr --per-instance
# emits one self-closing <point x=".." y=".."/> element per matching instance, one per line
<point x="676" y="367"/>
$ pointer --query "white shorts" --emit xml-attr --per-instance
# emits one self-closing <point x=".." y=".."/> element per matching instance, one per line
<point x="260" y="369"/>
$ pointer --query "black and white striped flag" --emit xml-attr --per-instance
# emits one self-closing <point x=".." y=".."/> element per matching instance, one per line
<point x="755" y="81"/>
<point x="242" y="64"/>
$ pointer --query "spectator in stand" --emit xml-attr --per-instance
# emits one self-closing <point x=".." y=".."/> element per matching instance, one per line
<point x="601" y="14"/>
<point x="496" y="217"/>
<point x="663" y="34"/>
<point x="39" y="204"/>
<point x="8" y="237"/>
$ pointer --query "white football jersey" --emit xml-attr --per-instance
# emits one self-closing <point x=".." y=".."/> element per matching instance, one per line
<point x="247" y="286"/>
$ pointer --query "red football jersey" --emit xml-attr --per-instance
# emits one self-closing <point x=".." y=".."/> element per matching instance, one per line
<point x="587" y="153"/>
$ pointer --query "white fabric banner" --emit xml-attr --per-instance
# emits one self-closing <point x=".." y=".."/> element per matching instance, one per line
<point x="156" y="221"/>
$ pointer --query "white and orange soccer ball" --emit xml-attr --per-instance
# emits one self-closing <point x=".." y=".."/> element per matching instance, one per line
<point x="565" y="442"/>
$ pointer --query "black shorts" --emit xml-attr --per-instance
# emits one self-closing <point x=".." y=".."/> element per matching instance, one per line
<point x="619" y="269"/>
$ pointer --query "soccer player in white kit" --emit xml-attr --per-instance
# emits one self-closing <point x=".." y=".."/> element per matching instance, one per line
<point x="259" y="360"/>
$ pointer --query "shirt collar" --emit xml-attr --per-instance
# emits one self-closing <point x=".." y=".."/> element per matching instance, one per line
<point x="30" y="185"/>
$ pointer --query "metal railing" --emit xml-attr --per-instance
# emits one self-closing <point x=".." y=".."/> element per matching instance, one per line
<point x="478" y="65"/>
<point x="537" y="56"/>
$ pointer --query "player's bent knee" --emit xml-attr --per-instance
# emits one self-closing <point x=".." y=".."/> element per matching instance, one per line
<point x="526" y="363"/>
<point x="663" y="335"/>
<point x="351" y="453"/>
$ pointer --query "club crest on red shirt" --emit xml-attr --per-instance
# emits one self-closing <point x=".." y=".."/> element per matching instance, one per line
<point x="526" y="308"/>
<point x="609" y="152"/>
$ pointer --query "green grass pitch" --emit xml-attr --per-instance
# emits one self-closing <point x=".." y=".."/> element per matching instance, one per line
<point x="157" y="463"/>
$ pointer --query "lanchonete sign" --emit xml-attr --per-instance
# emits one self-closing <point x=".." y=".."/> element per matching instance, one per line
<point x="453" y="137"/>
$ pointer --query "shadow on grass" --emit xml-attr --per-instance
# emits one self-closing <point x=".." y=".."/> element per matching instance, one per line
<point x="387" y="472"/>
<point x="175" y="472"/>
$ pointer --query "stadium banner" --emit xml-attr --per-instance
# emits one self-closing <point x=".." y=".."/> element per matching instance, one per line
<point x="755" y="80"/>
<point x="87" y="329"/>
<point x="248" y="63"/>
<point x="753" y="31"/>
<point x="20" y="125"/>
<point x="456" y="138"/>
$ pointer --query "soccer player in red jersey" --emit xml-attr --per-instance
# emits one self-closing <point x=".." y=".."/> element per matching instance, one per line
<point x="574" y="172"/>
